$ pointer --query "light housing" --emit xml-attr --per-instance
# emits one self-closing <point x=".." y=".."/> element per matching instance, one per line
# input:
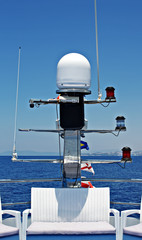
<point x="110" y="93"/>
<point x="126" y="154"/>
<point x="120" y="123"/>
<point x="32" y="105"/>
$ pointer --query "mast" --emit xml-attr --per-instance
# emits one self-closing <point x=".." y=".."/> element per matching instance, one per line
<point x="14" y="155"/>
<point x="97" y="52"/>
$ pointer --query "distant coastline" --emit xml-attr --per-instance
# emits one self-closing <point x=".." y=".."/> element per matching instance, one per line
<point x="84" y="153"/>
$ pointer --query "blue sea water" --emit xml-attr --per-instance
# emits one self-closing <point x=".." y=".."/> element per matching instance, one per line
<point x="20" y="192"/>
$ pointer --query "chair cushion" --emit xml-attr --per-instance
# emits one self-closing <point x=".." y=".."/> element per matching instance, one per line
<point x="7" y="230"/>
<point x="70" y="228"/>
<point x="135" y="230"/>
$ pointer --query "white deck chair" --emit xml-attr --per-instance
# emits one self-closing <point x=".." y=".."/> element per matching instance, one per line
<point x="6" y="230"/>
<point x="70" y="211"/>
<point x="134" y="230"/>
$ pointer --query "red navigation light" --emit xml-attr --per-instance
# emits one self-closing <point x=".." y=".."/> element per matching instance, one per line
<point x="110" y="93"/>
<point x="126" y="154"/>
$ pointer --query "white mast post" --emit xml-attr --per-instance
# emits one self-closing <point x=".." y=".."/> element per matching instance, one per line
<point x="97" y="54"/>
<point x="15" y="126"/>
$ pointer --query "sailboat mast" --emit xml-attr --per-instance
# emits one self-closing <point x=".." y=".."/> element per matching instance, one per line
<point x="15" y="125"/>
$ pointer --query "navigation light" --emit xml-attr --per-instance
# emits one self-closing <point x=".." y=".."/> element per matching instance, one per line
<point x="110" y="93"/>
<point x="126" y="154"/>
<point x="120" y="123"/>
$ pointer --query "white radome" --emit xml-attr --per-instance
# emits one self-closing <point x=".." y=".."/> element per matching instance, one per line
<point x="73" y="71"/>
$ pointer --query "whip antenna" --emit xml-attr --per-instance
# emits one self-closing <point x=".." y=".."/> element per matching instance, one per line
<point x="14" y="155"/>
<point x="96" y="30"/>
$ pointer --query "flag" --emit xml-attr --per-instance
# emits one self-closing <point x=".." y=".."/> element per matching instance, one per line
<point x="87" y="167"/>
<point x="84" y="145"/>
<point x="86" y="184"/>
<point x="59" y="97"/>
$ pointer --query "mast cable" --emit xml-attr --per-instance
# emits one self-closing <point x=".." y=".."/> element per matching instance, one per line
<point x="105" y="105"/>
<point x="97" y="54"/>
<point x="15" y="127"/>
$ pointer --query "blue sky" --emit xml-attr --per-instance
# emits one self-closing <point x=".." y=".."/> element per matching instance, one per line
<point x="48" y="29"/>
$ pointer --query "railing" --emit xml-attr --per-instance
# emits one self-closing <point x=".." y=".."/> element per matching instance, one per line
<point x="25" y="203"/>
<point x="59" y="179"/>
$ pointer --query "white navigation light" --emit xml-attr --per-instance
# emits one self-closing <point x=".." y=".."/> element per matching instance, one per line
<point x="73" y="72"/>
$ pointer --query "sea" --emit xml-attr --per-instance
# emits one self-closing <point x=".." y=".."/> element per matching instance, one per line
<point x="14" y="194"/>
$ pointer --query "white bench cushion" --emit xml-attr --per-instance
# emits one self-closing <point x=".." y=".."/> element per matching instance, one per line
<point x="135" y="230"/>
<point x="7" y="230"/>
<point x="70" y="228"/>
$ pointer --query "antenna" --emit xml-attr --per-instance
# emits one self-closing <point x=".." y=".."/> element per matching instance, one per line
<point x="15" y="126"/>
<point x="96" y="30"/>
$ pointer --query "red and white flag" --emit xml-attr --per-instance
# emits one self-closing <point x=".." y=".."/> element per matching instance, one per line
<point x="87" y="167"/>
<point x="86" y="184"/>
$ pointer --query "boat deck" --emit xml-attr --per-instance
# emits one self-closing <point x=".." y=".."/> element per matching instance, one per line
<point x="73" y="237"/>
<point x="131" y="221"/>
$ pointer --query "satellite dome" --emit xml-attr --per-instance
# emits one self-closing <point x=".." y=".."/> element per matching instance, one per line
<point x="73" y="71"/>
